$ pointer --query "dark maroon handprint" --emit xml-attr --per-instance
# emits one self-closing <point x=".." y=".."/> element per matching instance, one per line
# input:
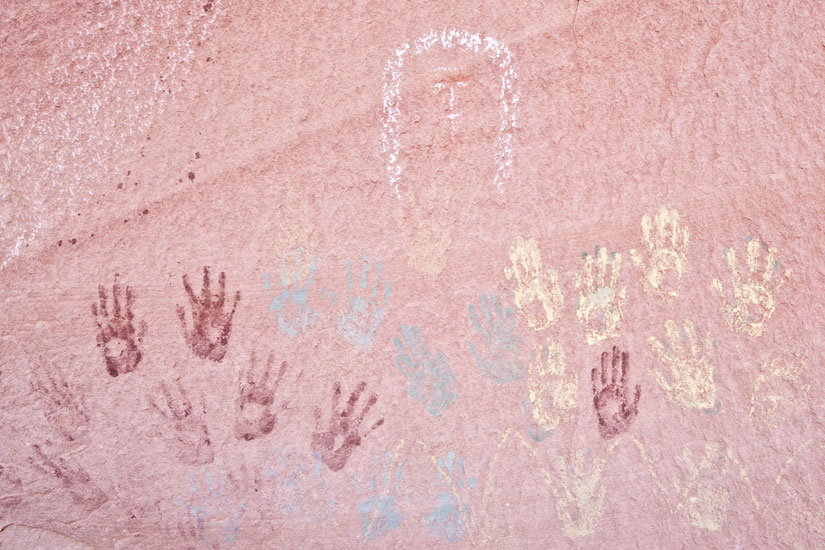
<point x="65" y="408"/>
<point x="116" y="332"/>
<point x="610" y="394"/>
<point x="341" y="424"/>
<point x="211" y="325"/>
<point x="254" y="416"/>
<point x="191" y="434"/>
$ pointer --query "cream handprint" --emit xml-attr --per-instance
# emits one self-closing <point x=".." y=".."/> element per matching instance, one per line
<point x="600" y="294"/>
<point x="691" y="373"/>
<point x="579" y="505"/>
<point x="538" y="296"/>
<point x="552" y="388"/>
<point x="666" y="243"/>
<point x="702" y="495"/>
<point x="778" y="389"/>
<point x="753" y="298"/>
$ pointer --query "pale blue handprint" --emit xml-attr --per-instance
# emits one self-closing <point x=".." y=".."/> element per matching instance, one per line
<point x="429" y="378"/>
<point x="500" y="357"/>
<point x="215" y="518"/>
<point x="378" y="512"/>
<point x="450" y="519"/>
<point x="291" y="306"/>
<point x="302" y="490"/>
<point x="365" y="313"/>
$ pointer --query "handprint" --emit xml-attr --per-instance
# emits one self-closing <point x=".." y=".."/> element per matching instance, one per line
<point x="191" y="433"/>
<point x="303" y="490"/>
<point x="291" y="306"/>
<point x="601" y="294"/>
<point x="342" y="424"/>
<point x="754" y="298"/>
<point x="429" y="228"/>
<point x="610" y="394"/>
<point x="85" y="493"/>
<point x="378" y="513"/>
<point x="208" y="505"/>
<point x="65" y="409"/>
<point x="451" y="517"/>
<point x="666" y="243"/>
<point x="254" y="416"/>
<point x="429" y="378"/>
<point x="116" y="333"/>
<point x="779" y="388"/>
<point x="500" y="357"/>
<point x="579" y="504"/>
<point x="552" y="389"/>
<point x="537" y="296"/>
<point x="211" y="325"/>
<point x="690" y="382"/>
<point x="366" y="312"/>
<point x="702" y="494"/>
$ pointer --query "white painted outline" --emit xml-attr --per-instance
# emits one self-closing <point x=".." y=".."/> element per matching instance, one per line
<point x="508" y="97"/>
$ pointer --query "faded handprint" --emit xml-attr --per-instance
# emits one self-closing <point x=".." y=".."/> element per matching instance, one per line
<point x="551" y="389"/>
<point x="378" y="513"/>
<point x="600" y="295"/>
<point x="799" y="490"/>
<point x="303" y="490"/>
<point x="254" y="416"/>
<point x="451" y="517"/>
<point x="429" y="378"/>
<point x="701" y="493"/>
<point x="342" y="424"/>
<point x="754" y="299"/>
<point x="85" y="493"/>
<point x="191" y="434"/>
<point x="500" y="349"/>
<point x="611" y="394"/>
<point x="666" y="243"/>
<point x="366" y="310"/>
<point x="65" y="409"/>
<point x="579" y="504"/>
<point x="779" y="388"/>
<point x="116" y="333"/>
<point x="690" y="382"/>
<point x="429" y="228"/>
<point x="291" y="306"/>
<point x="209" y="507"/>
<point x="537" y="295"/>
<point x="211" y="325"/>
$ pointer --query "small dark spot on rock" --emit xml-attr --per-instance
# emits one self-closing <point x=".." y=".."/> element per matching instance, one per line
<point x="191" y="176"/>
<point x="148" y="138"/>
<point x="197" y="155"/>
<point x="78" y="213"/>
<point x="207" y="7"/>
<point x="180" y="180"/>
<point x="136" y="183"/>
<point x="208" y="59"/>
<point x="73" y="241"/>
<point x="128" y="172"/>
<point x="120" y="186"/>
<point x="60" y="243"/>
<point x="145" y="211"/>
<point x="125" y="221"/>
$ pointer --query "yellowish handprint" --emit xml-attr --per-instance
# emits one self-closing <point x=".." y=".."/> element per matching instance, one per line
<point x="537" y="296"/>
<point x="778" y="389"/>
<point x="799" y="489"/>
<point x="690" y="382"/>
<point x="428" y="232"/>
<point x="666" y="241"/>
<point x="552" y="388"/>
<point x="754" y="298"/>
<point x="702" y="495"/>
<point x="579" y="504"/>
<point x="600" y="299"/>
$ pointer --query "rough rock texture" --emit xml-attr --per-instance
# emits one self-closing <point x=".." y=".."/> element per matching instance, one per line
<point x="390" y="275"/>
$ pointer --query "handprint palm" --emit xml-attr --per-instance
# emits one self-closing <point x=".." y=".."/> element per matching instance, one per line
<point x="600" y="294"/>
<point x="666" y="243"/>
<point x="691" y="382"/>
<point x="537" y="296"/>
<point x="754" y="299"/>
<point x="500" y="358"/>
<point x="366" y="312"/>
<point x="291" y="306"/>
<point x="429" y="378"/>
<point x="451" y="517"/>
<point x="378" y="512"/>
<point x="611" y="399"/>
<point x="702" y="495"/>
<point x="552" y="388"/>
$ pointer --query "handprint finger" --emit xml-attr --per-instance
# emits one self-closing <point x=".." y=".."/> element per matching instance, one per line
<point x="353" y="399"/>
<point x="730" y="256"/>
<point x="604" y="369"/>
<point x="221" y="296"/>
<point x="101" y="292"/>
<point x="130" y="302"/>
<point x="116" y="298"/>
<point x="601" y="264"/>
<point x="675" y="338"/>
<point x="588" y="272"/>
<point x="771" y="265"/>
<point x="188" y="288"/>
<point x="625" y="369"/>
<point x="373" y="399"/>
<point x="378" y="268"/>
<point x="615" y="268"/>
<point x="206" y="297"/>
<point x="754" y="250"/>
<point x="614" y="366"/>
<point x="692" y="338"/>
<point x="647" y="231"/>
<point x="364" y="268"/>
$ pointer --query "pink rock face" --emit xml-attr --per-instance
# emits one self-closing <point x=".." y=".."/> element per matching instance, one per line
<point x="515" y="276"/>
